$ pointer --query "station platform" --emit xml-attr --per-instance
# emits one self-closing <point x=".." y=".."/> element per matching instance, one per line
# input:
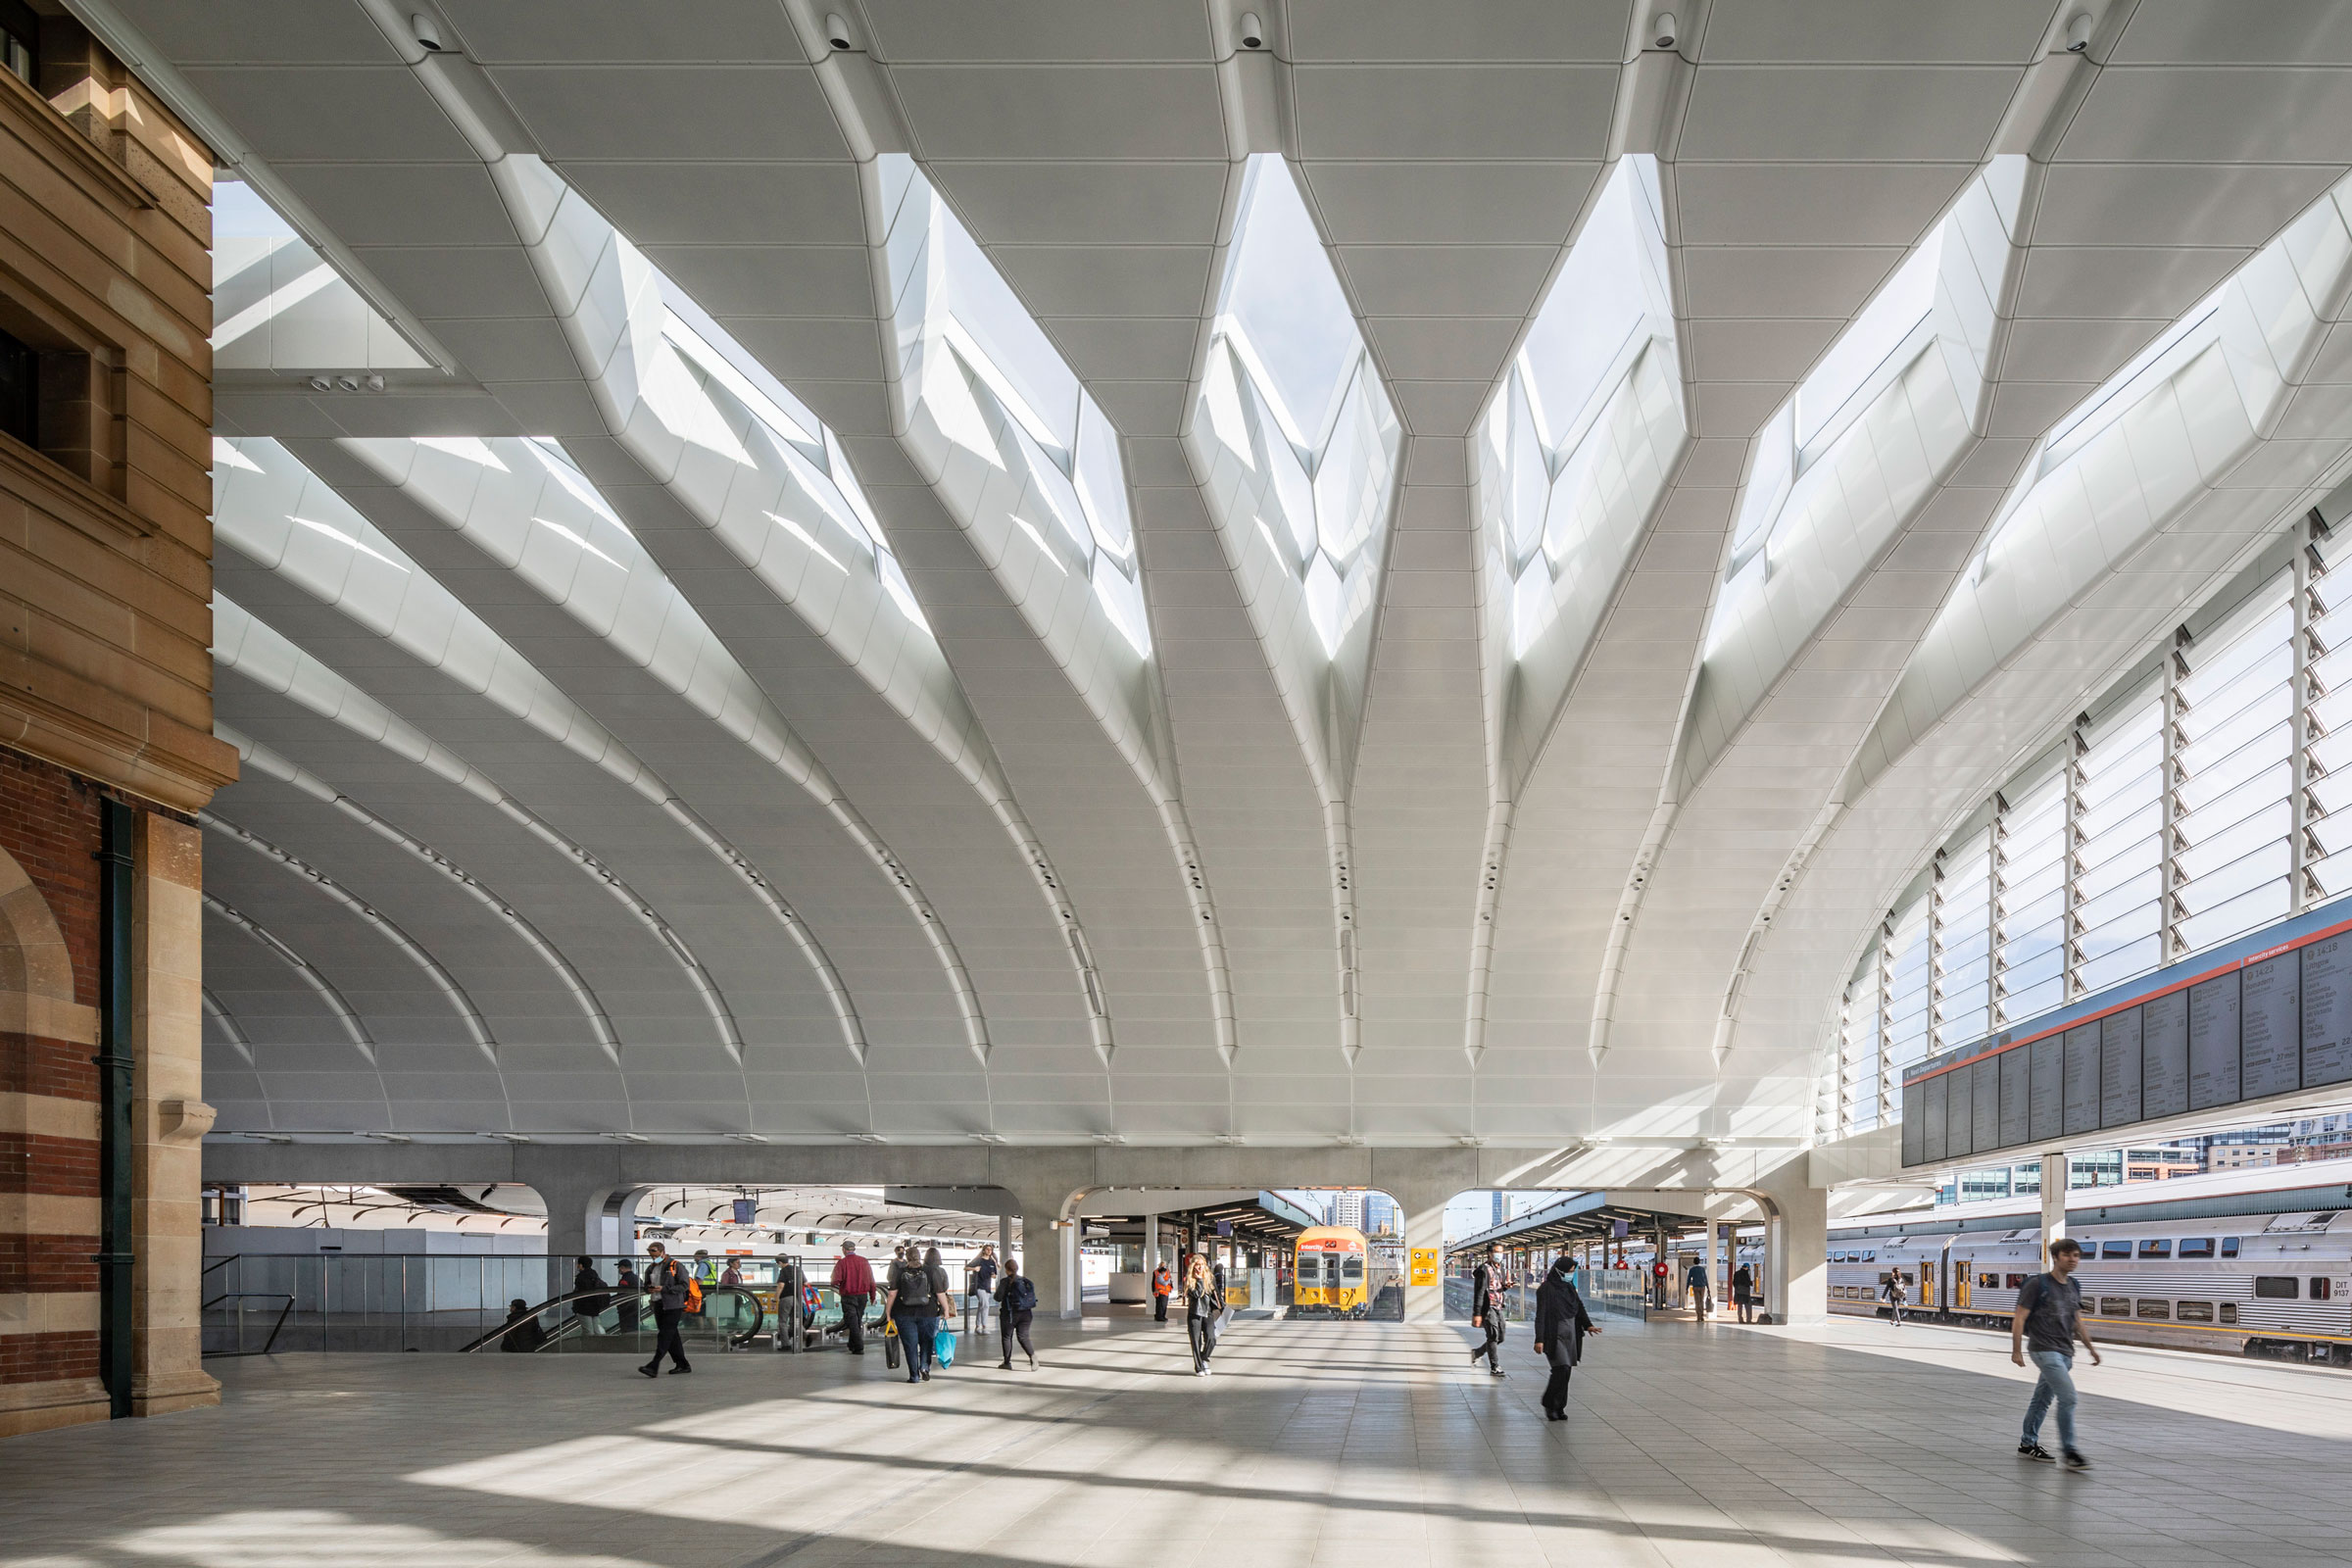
<point x="1360" y="1444"/>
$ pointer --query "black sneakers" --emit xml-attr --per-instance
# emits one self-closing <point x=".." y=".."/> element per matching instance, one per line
<point x="2074" y="1461"/>
<point x="2034" y="1451"/>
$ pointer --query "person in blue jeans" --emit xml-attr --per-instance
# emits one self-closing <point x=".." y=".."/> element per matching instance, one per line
<point x="2047" y="1322"/>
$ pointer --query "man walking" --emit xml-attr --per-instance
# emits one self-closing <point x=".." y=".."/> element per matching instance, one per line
<point x="983" y="1288"/>
<point x="1486" y="1309"/>
<point x="2047" y="1322"/>
<point x="1164" y="1286"/>
<point x="669" y="1280"/>
<point x="1702" y="1289"/>
<point x="854" y="1283"/>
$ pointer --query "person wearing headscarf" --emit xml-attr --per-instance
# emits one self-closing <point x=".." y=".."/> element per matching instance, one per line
<point x="1561" y="1324"/>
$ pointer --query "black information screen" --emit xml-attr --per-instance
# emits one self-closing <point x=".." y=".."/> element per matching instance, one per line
<point x="2083" y="1078"/>
<point x="2272" y="1027"/>
<point x="1989" y="1104"/>
<point x="2213" y="1041"/>
<point x="1960" y="1112"/>
<point x="2328" y="1011"/>
<point x="2163" y="1055"/>
<point x="1939" y="1094"/>
<point x="2045" y="1096"/>
<point x="2015" y="1066"/>
<point x="1915" y="1124"/>
<point x="2120" y="1067"/>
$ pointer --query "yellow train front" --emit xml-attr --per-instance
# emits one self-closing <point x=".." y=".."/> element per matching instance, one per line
<point x="1332" y="1273"/>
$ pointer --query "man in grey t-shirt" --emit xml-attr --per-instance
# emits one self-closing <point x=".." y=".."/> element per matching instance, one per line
<point x="2047" y="1322"/>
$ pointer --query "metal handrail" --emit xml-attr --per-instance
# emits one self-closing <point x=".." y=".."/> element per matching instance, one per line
<point x="244" y="1295"/>
<point x="609" y="1294"/>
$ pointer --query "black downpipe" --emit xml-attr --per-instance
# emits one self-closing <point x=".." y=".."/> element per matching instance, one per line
<point x="115" y="1067"/>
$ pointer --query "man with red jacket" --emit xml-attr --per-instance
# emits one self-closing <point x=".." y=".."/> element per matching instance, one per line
<point x="854" y="1283"/>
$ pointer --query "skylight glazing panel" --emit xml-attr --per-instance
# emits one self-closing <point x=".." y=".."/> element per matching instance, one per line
<point x="1292" y="318"/>
<point x="1890" y="317"/>
<point x="1598" y="305"/>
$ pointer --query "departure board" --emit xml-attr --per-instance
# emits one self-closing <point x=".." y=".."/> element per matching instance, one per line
<point x="2015" y="1066"/>
<point x="2213" y="1042"/>
<point x="2083" y="1078"/>
<point x="2045" y="1096"/>
<point x="1989" y="1104"/>
<point x="2267" y="1016"/>
<point x="2163" y="1055"/>
<point x="2328" y="1011"/>
<point x="2121" y="1068"/>
<point x="1960" y="1113"/>
<point x="2271" y="1027"/>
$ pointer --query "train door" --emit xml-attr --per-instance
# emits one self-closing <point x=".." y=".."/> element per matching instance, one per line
<point x="1961" y="1283"/>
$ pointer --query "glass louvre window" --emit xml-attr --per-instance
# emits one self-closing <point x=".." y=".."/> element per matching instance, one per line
<point x="2327" y="719"/>
<point x="1963" y="900"/>
<point x="2116" y="923"/>
<point x="2030" y="902"/>
<point x="1859" y="1077"/>
<point x="2234" y="771"/>
<point x="1907" y="976"/>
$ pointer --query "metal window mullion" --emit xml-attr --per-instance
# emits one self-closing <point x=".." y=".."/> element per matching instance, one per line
<point x="2308" y="569"/>
<point x="1936" y="954"/>
<point x="2175" y="671"/>
<point x="2070" y="868"/>
<point x="1883" y="979"/>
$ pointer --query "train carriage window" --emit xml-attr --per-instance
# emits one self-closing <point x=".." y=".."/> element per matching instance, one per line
<point x="2321" y="1288"/>
<point x="1990" y="1282"/>
<point x="2228" y="1247"/>
<point x="2197" y="1246"/>
<point x="2153" y="1309"/>
<point x="2014" y="1282"/>
<point x="1351" y="1269"/>
<point x="2229" y="1312"/>
<point x="2276" y="1287"/>
<point x="2156" y="1249"/>
<point x="2115" y="1248"/>
<point x="2114" y="1307"/>
<point x="2194" y="1312"/>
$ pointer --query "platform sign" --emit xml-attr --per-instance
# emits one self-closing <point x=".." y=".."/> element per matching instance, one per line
<point x="2263" y="1017"/>
<point x="1424" y="1266"/>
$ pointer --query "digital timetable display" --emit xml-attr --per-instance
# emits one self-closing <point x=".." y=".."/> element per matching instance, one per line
<point x="2269" y="1015"/>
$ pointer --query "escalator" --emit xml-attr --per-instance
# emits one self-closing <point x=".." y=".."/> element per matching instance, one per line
<point x="610" y="1322"/>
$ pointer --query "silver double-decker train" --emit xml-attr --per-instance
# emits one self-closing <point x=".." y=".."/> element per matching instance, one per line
<point x="2255" y="1262"/>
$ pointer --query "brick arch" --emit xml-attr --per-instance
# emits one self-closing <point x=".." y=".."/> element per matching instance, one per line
<point x="34" y="961"/>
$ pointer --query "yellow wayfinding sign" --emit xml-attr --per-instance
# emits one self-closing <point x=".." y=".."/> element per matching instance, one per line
<point x="1424" y="1270"/>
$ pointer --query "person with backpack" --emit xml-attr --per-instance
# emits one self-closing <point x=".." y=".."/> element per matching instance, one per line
<point x="590" y="1308"/>
<point x="523" y="1333"/>
<point x="627" y="1291"/>
<point x="1744" y="1292"/>
<point x="918" y="1289"/>
<point x="2046" y="1323"/>
<point x="1204" y="1301"/>
<point x="1017" y="1305"/>
<point x="1487" y="1288"/>
<point x="1164" y="1286"/>
<point x="675" y="1293"/>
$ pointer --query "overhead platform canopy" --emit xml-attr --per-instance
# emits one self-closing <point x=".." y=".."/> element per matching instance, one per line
<point x="1258" y="1218"/>
<point x="1584" y="1217"/>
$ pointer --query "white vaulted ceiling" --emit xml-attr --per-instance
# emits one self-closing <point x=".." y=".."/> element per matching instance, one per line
<point x="836" y="618"/>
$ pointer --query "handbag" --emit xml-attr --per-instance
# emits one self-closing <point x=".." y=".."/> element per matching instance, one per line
<point x="943" y="1348"/>
<point x="890" y="1344"/>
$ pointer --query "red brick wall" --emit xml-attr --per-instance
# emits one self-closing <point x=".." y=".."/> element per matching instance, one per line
<point x="49" y="823"/>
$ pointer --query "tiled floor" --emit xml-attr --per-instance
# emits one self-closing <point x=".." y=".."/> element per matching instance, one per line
<point x="1366" y="1446"/>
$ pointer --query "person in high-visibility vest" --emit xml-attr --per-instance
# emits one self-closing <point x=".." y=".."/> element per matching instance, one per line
<point x="1164" y="1286"/>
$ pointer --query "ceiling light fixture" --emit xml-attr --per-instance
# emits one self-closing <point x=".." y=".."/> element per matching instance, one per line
<point x="1661" y="30"/>
<point x="747" y="1138"/>
<point x="837" y="30"/>
<point x="426" y="31"/>
<point x="1253" y="31"/>
<point x="628" y="1138"/>
<point x="2078" y="32"/>
<point x="510" y="1138"/>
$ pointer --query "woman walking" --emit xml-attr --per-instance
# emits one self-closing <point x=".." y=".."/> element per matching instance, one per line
<point x="1202" y="1301"/>
<point x="918" y="1291"/>
<point x="1561" y="1324"/>
<point x="1017" y="1305"/>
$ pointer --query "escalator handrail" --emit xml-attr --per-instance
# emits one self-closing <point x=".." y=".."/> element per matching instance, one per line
<point x="609" y="1294"/>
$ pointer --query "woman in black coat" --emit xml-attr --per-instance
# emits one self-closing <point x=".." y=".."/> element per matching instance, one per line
<point x="1561" y="1324"/>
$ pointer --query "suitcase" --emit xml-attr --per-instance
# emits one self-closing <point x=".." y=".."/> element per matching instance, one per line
<point x="890" y="1346"/>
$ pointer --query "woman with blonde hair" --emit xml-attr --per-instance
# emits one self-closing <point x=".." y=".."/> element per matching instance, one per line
<point x="1203" y="1300"/>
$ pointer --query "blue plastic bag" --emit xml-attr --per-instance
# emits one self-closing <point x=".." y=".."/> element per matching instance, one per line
<point x="943" y="1348"/>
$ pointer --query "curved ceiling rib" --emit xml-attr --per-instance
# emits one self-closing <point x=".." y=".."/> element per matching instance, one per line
<point x="255" y="650"/>
<point x="318" y="985"/>
<point x="227" y="1024"/>
<point x="477" y="1027"/>
<point x="351" y="566"/>
<point x="255" y="755"/>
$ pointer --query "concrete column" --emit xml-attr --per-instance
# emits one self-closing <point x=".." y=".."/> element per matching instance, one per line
<point x="1796" y="1247"/>
<point x="1423" y="1181"/>
<point x="1151" y="1248"/>
<point x="2053" y="1203"/>
<point x="575" y="1210"/>
<point x="1004" y="1237"/>
<point x="1073" y="1280"/>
